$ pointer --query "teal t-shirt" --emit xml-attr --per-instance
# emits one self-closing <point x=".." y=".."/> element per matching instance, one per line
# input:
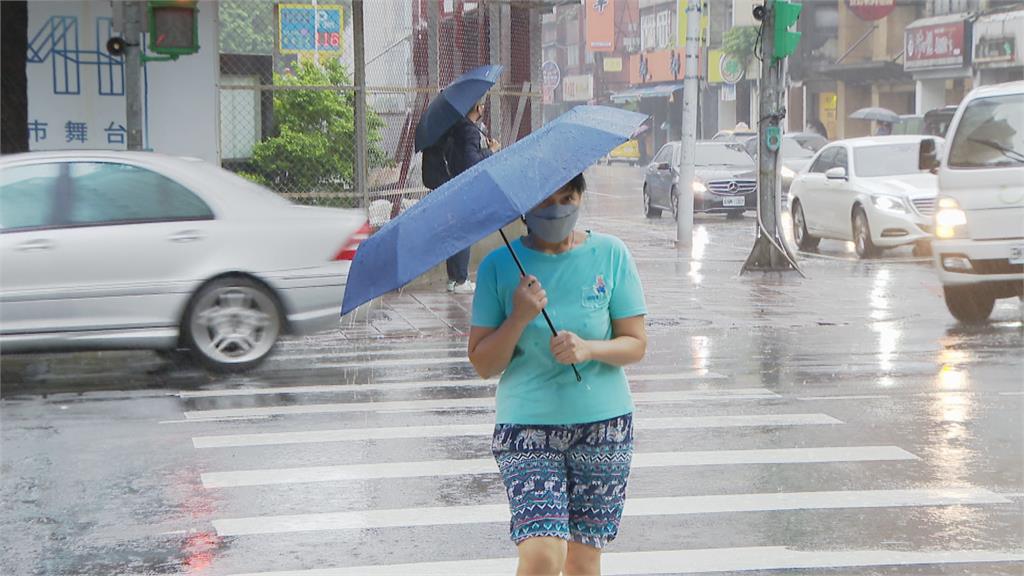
<point x="587" y="287"/>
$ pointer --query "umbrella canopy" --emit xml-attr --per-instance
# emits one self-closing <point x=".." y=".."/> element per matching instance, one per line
<point x="454" y="102"/>
<point x="483" y="199"/>
<point x="877" y="114"/>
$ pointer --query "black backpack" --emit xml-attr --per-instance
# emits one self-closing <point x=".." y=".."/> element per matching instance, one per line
<point x="436" y="167"/>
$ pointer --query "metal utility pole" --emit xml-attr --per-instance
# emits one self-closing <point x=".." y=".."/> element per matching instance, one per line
<point x="688" y="145"/>
<point x="770" y="252"/>
<point x="133" y="72"/>
<point x="359" y="54"/>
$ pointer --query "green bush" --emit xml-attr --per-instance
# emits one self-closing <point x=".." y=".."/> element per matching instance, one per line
<point x="739" y="43"/>
<point x="314" y="150"/>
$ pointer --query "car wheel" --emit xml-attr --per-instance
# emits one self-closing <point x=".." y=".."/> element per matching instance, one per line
<point x="803" y="238"/>
<point x="674" y="199"/>
<point x="232" y="324"/>
<point x="862" y="236"/>
<point x="969" y="304"/>
<point x="650" y="211"/>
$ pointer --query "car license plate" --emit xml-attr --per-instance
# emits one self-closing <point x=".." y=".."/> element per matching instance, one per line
<point x="1017" y="254"/>
<point x="734" y="201"/>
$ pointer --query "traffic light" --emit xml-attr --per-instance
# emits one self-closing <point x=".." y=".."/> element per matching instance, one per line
<point x="173" y="27"/>
<point x="786" y="14"/>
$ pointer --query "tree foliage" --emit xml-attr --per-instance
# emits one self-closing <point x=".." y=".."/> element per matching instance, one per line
<point x="246" y="26"/>
<point x="315" y="148"/>
<point x="739" y="43"/>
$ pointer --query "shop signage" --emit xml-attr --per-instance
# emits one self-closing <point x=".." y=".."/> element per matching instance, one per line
<point x="731" y="68"/>
<point x="871" y="9"/>
<point x="577" y="88"/>
<point x="600" y="25"/>
<point x="995" y="49"/>
<point x="613" y="64"/>
<point x="935" y="46"/>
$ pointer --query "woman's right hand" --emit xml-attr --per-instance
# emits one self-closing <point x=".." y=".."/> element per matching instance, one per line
<point x="528" y="299"/>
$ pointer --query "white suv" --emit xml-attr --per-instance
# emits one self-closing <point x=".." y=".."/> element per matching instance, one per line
<point x="979" y="218"/>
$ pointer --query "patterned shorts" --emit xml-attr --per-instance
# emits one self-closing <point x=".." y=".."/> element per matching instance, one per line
<point x="565" y="481"/>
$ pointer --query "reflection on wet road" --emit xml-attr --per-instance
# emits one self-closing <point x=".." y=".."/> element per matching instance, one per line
<point x="842" y="423"/>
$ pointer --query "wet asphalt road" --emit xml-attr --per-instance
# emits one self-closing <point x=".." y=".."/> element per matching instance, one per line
<point x="839" y="424"/>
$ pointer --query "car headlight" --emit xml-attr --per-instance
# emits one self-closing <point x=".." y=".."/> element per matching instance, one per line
<point x="699" y="187"/>
<point x="950" y="220"/>
<point x="890" y="203"/>
<point x="787" y="173"/>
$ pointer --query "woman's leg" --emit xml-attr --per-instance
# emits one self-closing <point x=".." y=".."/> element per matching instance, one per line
<point x="541" y="556"/>
<point x="582" y="560"/>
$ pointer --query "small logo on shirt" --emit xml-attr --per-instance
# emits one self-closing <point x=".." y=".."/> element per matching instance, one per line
<point x="599" y="287"/>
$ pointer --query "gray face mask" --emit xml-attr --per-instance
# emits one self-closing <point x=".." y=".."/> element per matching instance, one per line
<point x="553" y="223"/>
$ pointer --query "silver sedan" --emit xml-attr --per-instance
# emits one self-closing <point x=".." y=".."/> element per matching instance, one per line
<point x="117" y="250"/>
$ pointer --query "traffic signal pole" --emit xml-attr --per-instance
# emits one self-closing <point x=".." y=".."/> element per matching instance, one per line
<point x="771" y="252"/>
<point x="133" y="72"/>
<point x="688" y="143"/>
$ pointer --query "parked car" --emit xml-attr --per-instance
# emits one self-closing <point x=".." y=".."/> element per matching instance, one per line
<point x="934" y="122"/>
<point x="725" y="181"/>
<point x="866" y="190"/>
<point x="628" y="151"/>
<point x="979" y="245"/>
<point x="118" y="250"/>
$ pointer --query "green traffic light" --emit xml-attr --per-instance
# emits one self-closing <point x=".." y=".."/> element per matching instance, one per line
<point x="785" y="15"/>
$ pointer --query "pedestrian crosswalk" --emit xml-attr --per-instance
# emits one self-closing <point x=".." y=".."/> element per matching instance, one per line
<point x="281" y="439"/>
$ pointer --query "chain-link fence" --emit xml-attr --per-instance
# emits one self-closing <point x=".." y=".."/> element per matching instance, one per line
<point x="288" y="90"/>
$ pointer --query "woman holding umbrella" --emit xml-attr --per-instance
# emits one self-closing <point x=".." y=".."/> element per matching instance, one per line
<point x="563" y="446"/>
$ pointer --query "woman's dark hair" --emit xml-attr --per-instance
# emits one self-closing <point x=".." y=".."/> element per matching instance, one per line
<point x="577" y="184"/>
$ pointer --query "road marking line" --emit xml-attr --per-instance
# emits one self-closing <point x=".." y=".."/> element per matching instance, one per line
<point x="485" y="430"/>
<point x="468" y="403"/>
<point x="436" y="468"/>
<point x="374" y="364"/>
<point x="850" y="397"/>
<point x="753" y="558"/>
<point x="225" y="419"/>
<point x="714" y="504"/>
<point x="416" y="385"/>
<point x="345" y="354"/>
<point x="1017" y="393"/>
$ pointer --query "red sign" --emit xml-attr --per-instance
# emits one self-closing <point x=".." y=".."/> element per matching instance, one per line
<point x="601" y="25"/>
<point x="871" y="9"/>
<point x="934" y="46"/>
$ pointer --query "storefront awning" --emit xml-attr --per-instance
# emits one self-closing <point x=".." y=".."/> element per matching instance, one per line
<point x="658" y="91"/>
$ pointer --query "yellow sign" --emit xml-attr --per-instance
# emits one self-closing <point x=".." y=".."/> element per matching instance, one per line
<point x="681" y="33"/>
<point x="613" y="64"/>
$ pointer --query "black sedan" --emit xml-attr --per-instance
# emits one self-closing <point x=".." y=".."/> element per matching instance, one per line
<point x="725" y="180"/>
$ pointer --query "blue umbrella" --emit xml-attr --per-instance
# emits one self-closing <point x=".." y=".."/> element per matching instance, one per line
<point x="454" y="102"/>
<point x="488" y="196"/>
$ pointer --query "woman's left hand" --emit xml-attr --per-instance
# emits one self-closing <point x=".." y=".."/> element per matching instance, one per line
<point x="568" y="348"/>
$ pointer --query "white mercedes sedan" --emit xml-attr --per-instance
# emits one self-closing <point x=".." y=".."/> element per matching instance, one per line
<point x="866" y="190"/>
<point x="119" y="250"/>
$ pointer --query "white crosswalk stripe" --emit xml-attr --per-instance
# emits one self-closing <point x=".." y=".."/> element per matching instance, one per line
<point x="708" y="390"/>
<point x="714" y="504"/>
<point x="455" y="430"/>
<point x="469" y="403"/>
<point x="704" y="561"/>
<point x="437" y="468"/>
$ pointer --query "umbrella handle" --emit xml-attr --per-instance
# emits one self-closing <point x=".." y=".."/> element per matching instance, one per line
<point x="547" y="319"/>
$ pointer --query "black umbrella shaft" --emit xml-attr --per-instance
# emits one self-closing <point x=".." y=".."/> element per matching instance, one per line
<point x="547" y="319"/>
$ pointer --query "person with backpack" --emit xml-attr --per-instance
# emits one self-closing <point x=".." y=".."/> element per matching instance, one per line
<point x="464" y="145"/>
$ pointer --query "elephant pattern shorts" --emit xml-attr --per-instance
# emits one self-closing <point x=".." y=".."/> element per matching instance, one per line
<point x="565" y="481"/>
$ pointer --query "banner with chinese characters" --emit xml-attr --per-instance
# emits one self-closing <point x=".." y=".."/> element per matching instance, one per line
<point x="76" y="88"/>
<point x="935" y="46"/>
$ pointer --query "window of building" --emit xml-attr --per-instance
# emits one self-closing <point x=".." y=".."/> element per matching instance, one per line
<point x="648" y="32"/>
<point x="572" y="55"/>
<point x="664" y="28"/>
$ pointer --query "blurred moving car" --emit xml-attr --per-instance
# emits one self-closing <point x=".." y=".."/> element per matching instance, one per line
<point x="934" y="122"/>
<point x="628" y="151"/>
<point x="116" y="250"/>
<point x="866" y="190"/>
<point x="724" y="180"/>
<point x="979" y="246"/>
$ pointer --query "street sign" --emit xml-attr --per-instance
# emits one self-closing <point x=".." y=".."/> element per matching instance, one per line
<point x="304" y="28"/>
